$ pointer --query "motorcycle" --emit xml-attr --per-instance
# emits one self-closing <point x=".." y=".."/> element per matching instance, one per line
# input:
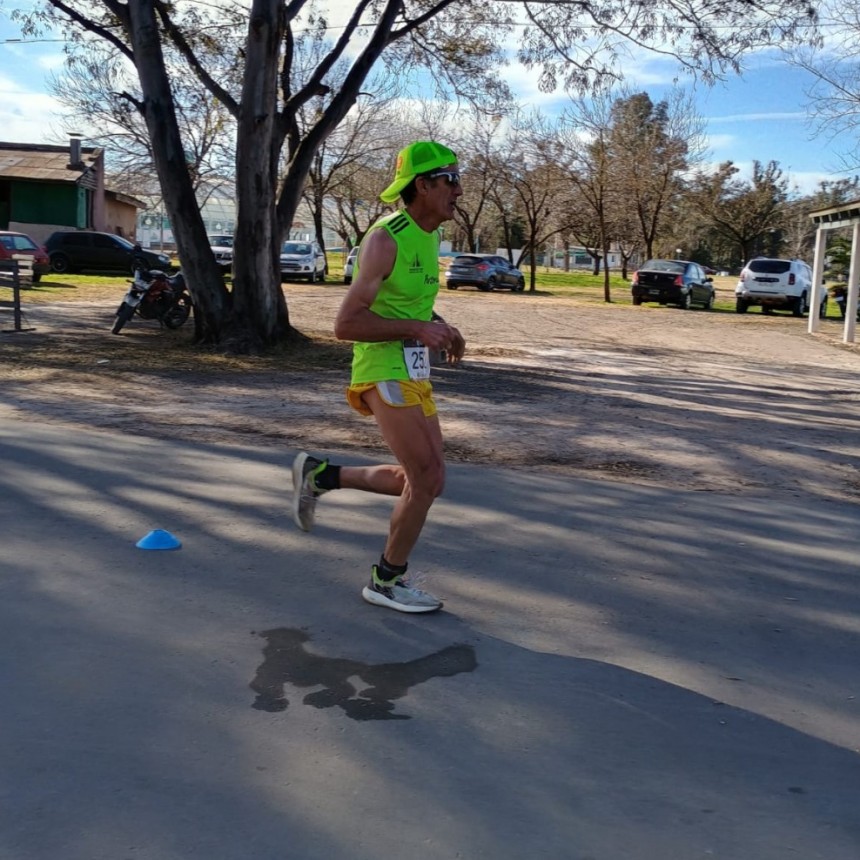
<point x="840" y="296"/>
<point x="154" y="295"/>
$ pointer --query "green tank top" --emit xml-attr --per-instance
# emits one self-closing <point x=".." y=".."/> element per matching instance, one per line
<point x="407" y="293"/>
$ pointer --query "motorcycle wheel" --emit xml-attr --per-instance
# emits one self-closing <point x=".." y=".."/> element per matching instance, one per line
<point x="178" y="314"/>
<point x="123" y="315"/>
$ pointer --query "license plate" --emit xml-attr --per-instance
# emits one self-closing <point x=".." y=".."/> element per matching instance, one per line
<point x="653" y="292"/>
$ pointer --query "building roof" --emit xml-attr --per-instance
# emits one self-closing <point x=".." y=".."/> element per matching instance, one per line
<point x="122" y="197"/>
<point x="44" y="162"/>
<point x="832" y="217"/>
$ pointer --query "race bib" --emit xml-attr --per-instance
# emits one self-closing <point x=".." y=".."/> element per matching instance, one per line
<point x="417" y="358"/>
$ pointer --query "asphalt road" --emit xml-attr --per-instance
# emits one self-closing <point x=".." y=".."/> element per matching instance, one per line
<point x="620" y="671"/>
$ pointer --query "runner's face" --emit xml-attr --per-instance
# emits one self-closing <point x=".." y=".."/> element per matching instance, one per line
<point x="443" y="190"/>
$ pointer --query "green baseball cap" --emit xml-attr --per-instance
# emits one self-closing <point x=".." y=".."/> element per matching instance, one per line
<point x="413" y="160"/>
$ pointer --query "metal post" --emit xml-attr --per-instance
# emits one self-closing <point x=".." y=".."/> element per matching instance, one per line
<point x="853" y="283"/>
<point x="817" y="278"/>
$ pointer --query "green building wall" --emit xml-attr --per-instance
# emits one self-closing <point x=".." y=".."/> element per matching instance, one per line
<point x="43" y="203"/>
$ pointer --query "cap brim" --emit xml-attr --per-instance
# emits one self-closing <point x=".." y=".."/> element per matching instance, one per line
<point x="391" y="193"/>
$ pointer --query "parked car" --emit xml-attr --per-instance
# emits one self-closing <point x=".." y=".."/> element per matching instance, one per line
<point x="222" y="248"/>
<point x="776" y="284"/>
<point x="84" y="250"/>
<point x="673" y="282"/>
<point x="349" y="265"/>
<point x="303" y="260"/>
<point x="14" y="245"/>
<point x="484" y="271"/>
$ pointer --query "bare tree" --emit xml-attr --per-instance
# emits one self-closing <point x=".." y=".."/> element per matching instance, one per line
<point x="98" y="90"/>
<point x="834" y="97"/>
<point x="529" y="163"/>
<point x="460" y="42"/>
<point x="370" y="136"/>
<point x="475" y="149"/>
<point x="746" y="213"/>
<point x="798" y="230"/>
<point x="584" y="132"/>
<point x="651" y="147"/>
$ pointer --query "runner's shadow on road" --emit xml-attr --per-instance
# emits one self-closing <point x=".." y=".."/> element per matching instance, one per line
<point x="287" y="661"/>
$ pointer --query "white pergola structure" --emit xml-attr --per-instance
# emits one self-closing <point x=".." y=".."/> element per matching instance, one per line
<point x="846" y="215"/>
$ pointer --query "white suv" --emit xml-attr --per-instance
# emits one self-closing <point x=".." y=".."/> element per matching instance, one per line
<point x="349" y="265"/>
<point x="776" y="284"/>
<point x="303" y="260"/>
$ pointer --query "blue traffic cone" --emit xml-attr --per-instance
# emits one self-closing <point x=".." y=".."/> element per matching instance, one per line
<point x="158" y="539"/>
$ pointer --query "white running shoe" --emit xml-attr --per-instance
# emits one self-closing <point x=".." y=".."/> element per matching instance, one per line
<point x="398" y="594"/>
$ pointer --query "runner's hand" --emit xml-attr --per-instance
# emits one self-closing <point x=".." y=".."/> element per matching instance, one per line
<point x="440" y="335"/>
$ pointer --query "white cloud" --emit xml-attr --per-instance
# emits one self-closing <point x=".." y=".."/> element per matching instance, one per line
<point x="801" y="116"/>
<point x="51" y="62"/>
<point x="721" y="142"/>
<point x="27" y="114"/>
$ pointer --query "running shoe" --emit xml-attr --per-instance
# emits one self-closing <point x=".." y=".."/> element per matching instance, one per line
<point x="398" y="594"/>
<point x="305" y="490"/>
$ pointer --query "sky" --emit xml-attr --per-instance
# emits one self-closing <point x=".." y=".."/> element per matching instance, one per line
<point x="758" y="116"/>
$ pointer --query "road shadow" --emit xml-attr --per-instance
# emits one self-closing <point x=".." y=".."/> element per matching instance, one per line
<point x="287" y="661"/>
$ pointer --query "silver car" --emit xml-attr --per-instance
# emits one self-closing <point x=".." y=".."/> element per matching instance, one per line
<point x="303" y="261"/>
<point x="484" y="271"/>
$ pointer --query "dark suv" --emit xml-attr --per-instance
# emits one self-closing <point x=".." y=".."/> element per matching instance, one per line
<point x="83" y="250"/>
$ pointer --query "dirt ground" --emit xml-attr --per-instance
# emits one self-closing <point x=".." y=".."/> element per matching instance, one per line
<point x="708" y="401"/>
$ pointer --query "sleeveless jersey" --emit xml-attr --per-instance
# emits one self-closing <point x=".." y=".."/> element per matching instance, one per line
<point x="407" y="293"/>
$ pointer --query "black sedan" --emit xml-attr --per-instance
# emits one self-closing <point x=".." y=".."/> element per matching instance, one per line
<point x="484" y="271"/>
<point x="673" y="282"/>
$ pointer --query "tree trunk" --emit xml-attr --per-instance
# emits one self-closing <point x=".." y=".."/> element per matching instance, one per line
<point x="204" y="276"/>
<point x="607" y="296"/>
<point x="259" y="305"/>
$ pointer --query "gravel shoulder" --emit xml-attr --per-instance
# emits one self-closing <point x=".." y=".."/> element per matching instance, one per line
<point x="740" y="404"/>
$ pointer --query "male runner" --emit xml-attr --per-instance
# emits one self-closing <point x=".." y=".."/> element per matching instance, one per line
<point x="387" y="313"/>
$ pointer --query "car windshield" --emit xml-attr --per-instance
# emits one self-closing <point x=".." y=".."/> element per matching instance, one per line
<point x="469" y="261"/>
<point x="221" y="241"/>
<point x="17" y="243"/>
<point x="769" y="267"/>
<point x="664" y="266"/>
<point x="296" y="248"/>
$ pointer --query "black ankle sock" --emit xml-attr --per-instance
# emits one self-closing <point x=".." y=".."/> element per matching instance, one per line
<point x="329" y="478"/>
<point x="387" y="571"/>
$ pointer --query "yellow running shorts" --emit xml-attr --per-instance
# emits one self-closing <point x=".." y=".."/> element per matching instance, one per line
<point x="396" y="393"/>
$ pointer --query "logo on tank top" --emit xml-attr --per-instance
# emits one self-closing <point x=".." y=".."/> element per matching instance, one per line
<point x="415" y="265"/>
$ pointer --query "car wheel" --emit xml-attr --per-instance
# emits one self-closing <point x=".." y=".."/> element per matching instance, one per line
<point x="709" y="304"/>
<point x="490" y="285"/>
<point x="347" y="280"/>
<point x="60" y="263"/>
<point x="767" y="310"/>
<point x="637" y="300"/>
<point x="36" y="278"/>
<point x="686" y="303"/>
<point x="822" y="311"/>
<point x="451" y="286"/>
<point x="799" y="306"/>
<point x="322" y="276"/>
<point x="312" y="278"/>
<point x="741" y="306"/>
<point x="521" y="285"/>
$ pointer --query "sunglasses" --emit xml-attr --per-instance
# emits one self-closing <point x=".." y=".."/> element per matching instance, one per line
<point x="450" y="177"/>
